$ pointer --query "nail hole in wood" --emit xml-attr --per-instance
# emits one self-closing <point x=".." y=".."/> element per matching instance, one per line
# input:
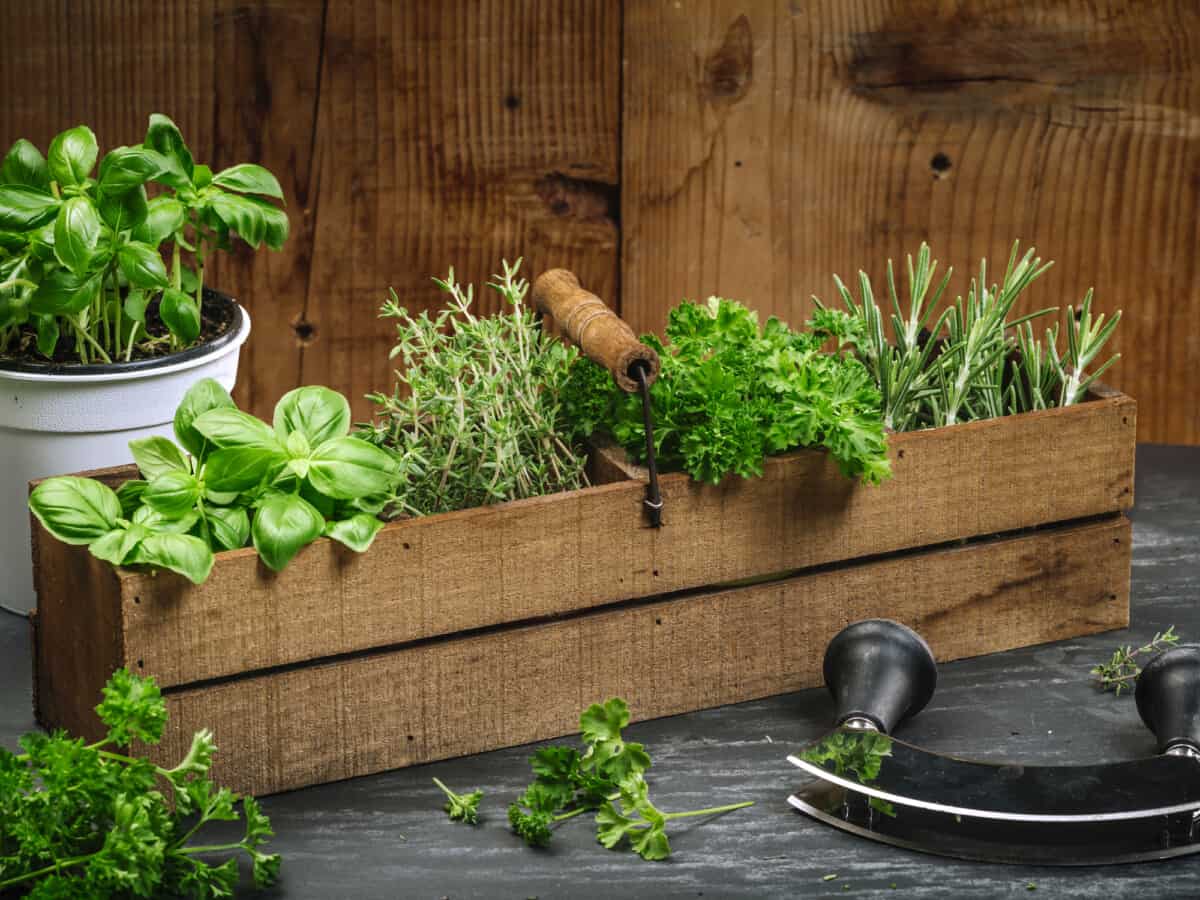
<point x="900" y="453"/>
<point x="737" y="163"/>
<point x="406" y="547"/>
<point x="656" y="573"/>
<point x="410" y="737"/>
<point x="512" y="101"/>
<point x="940" y="165"/>
<point x="141" y="665"/>
<point x="1124" y="420"/>
<point x="658" y="621"/>
<point x="1112" y="596"/>
<point x="306" y="331"/>
<point x="137" y="599"/>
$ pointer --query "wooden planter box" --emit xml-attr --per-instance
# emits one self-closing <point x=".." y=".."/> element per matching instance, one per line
<point x="495" y="626"/>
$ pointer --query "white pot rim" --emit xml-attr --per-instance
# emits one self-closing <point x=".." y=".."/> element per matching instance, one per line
<point x="229" y="342"/>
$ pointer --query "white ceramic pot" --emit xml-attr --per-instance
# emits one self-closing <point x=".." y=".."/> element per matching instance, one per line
<point x="71" y="418"/>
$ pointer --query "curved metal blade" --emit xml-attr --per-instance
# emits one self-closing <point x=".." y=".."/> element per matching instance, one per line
<point x="881" y="766"/>
<point x="1003" y="841"/>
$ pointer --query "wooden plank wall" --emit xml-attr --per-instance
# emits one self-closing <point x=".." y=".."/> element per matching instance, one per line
<point x="408" y="137"/>
<point x="760" y="145"/>
<point x="770" y="143"/>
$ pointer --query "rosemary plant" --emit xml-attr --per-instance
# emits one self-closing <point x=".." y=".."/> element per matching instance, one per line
<point x="477" y="412"/>
<point x="973" y="361"/>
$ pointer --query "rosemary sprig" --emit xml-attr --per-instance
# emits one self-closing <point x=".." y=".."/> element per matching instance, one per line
<point x="1122" y="670"/>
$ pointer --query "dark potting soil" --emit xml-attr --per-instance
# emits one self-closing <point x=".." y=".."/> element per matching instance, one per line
<point x="217" y="316"/>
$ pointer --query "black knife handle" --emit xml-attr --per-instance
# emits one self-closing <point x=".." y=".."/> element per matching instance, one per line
<point x="1168" y="698"/>
<point x="881" y="671"/>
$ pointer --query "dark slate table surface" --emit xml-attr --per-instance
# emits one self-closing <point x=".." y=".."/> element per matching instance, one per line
<point x="385" y="836"/>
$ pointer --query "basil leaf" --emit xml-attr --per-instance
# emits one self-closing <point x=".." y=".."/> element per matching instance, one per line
<point x="242" y="216"/>
<point x="229" y="526"/>
<point x="156" y="456"/>
<point x="282" y="525"/>
<point x="248" y="178"/>
<point x="24" y="208"/>
<point x="318" y="413"/>
<point x="143" y="267"/>
<point x="24" y="164"/>
<point x="125" y="168"/>
<point x="164" y="524"/>
<point x="72" y="155"/>
<point x="163" y="136"/>
<point x="116" y="546"/>
<point x="14" y="308"/>
<point x="122" y="212"/>
<point x="234" y="428"/>
<point x="164" y="218"/>
<point x="357" y="532"/>
<point x="202" y="176"/>
<point x="172" y="493"/>
<point x="75" y="510"/>
<point x="203" y="396"/>
<point x="180" y="314"/>
<point x="76" y="234"/>
<point x="62" y="292"/>
<point x="348" y="467"/>
<point x="275" y="223"/>
<point x="47" y="335"/>
<point x="135" y="305"/>
<point x="130" y="495"/>
<point x="240" y="468"/>
<point x="182" y="553"/>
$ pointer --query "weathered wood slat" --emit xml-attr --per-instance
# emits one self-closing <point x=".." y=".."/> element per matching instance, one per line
<point x="767" y="145"/>
<point x="553" y="555"/>
<point x="456" y="696"/>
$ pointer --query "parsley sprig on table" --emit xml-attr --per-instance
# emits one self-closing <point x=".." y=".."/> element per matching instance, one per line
<point x="732" y="392"/>
<point x="608" y="778"/>
<point x="461" y="807"/>
<point x="86" y="821"/>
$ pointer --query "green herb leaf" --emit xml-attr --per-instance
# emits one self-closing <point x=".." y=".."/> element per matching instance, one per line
<point x="75" y="510"/>
<point x="164" y="217"/>
<point x="24" y="208"/>
<point x="156" y="456"/>
<point x="24" y="164"/>
<point x="237" y="469"/>
<point x="230" y="427"/>
<point x="182" y="553"/>
<point x="47" y="334"/>
<point x="121" y="212"/>
<point x="283" y="524"/>
<point x="143" y="267"/>
<point x="315" y="412"/>
<point x="72" y="155"/>
<point x="358" y="532"/>
<point x="203" y="396"/>
<point x="461" y="807"/>
<point x="63" y="293"/>
<point x="346" y="468"/>
<point x="133" y="709"/>
<point x="130" y="496"/>
<point x="163" y="136"/>
<point x="229" y="526"/>
<point x="172" y="493"/>
<point x="126" y="168"/>
<point x="248" y="178"/>
<point x="76" y="234"/>
<point x="180" y="314"/>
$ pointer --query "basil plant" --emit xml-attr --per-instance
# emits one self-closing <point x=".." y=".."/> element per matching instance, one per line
<point x="84" y="257"/>
<point x="231" y="480"/>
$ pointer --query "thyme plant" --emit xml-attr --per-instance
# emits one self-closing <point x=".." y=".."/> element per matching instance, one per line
<point x="478" y="413"/>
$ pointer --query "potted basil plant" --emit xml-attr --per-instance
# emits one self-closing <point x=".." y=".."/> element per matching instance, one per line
<point x="105" y="317"/>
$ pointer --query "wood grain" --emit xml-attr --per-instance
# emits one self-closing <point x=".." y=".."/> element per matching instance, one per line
<point x="563" y="553"/>
<point x="408" y="137"/>
<point x="453" y="697"/>
<point x="769" y="144"/>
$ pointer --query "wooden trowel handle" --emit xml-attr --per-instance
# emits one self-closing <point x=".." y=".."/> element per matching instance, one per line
<point x="599" y="332"/>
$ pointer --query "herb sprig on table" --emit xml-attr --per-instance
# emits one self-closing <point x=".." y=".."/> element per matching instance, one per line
<point x="1120" y="672"/>
<point x="732" y="392"/>
<point x="90" y="821"/>
<point x="478" y="413"/>
<point x="607" y="778"/>
<point x="236" y="481"/>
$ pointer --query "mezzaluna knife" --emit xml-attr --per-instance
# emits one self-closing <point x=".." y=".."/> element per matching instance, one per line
<point x="866" y="782"/>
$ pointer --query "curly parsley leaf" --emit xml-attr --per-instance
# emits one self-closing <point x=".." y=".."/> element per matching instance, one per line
<point x="461" y="807"/>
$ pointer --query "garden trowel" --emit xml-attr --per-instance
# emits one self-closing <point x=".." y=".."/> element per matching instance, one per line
<point x="862" y="780"/>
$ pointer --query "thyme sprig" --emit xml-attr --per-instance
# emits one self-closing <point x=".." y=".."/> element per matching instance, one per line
<point x="478" y="413"/>
<point x="1121" y="671"/>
